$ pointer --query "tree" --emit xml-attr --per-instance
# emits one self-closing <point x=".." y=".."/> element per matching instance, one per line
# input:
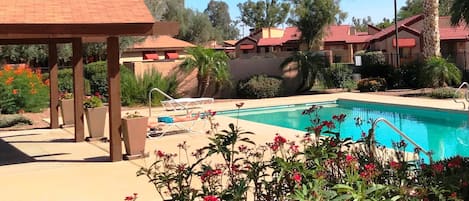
<point x="310" y="64"/>
<point x="361" y="24"/>
<point x="384" y="24"/>
<point x="219" y="16"/>
<point x="312" y="17"/>
<point x="415" y="7"/>
<point x="460" y="11"/>
<point x="268" y="13"/>
<point x="211" y="65"/>
<point x="431" y="30"/>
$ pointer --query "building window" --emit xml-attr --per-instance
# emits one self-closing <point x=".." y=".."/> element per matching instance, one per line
<point x="267" y="49"/>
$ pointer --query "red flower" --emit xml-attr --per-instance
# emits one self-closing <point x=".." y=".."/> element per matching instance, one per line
<point x="332" y="143"/>
<point x="294" y="148"/>
<point x="349" y="158"/>
<point x="160" y="154"/>
<point x="242" y="148"/>
<point x="297" y="177"/>
<point x="318" y="129"/>
<point x="210" y="198"/>
<point x="339" y="118"/>
<point x="239" y="105"/>
<point x="370" y="167"/>
<point x="274" y="147"/>
<point x="395" y="165"/>
<point x="455" y="162"/>
<point x="15" y="91"/>
<point x="328" y="124"/>
<point x="279" y="139"/>
<point x="438" y="167"/>
<point x="454" y="195"/>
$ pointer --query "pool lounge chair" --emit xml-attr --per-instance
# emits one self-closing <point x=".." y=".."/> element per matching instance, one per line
<point x="167" y="124"/>
<point x="179" y="103"/>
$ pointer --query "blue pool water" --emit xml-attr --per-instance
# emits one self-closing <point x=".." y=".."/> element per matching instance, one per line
<point x="445" y="133"/>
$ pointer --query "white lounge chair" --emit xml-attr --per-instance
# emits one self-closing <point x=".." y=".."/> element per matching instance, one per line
<point x="167" y="123"/>
<point x="179" y="103"/>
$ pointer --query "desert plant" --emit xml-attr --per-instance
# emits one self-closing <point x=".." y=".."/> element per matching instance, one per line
<point x="259" y="86"/>
<point x="444" y="92"/>
<point x="440" y="73"/>
<point x="11" y="120"/>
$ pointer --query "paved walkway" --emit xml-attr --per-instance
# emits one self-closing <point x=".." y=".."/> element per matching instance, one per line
<point x="46" y="165"/>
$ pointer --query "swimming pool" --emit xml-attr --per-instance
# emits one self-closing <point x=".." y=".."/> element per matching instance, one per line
<point x="444" y="132"/>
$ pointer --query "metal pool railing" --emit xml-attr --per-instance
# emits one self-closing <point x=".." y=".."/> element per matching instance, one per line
<point x="402" y="134"/>
<point x="464" y="84"/>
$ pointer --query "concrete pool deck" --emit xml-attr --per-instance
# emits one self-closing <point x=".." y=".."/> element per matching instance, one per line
<point x="45" y="164"/>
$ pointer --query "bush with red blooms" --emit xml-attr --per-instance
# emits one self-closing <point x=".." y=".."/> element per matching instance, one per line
<point x="306" y="168"/>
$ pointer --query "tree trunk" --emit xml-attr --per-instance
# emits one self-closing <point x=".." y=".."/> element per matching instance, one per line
<point x="205" y="82"/>
<point x="431" y="33"/>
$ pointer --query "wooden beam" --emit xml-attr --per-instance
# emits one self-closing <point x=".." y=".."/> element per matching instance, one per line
<point x="67" y="30"/>
<point x="113" y="79"/>
<point x="54" y="85"/>
<point x="78" y="88"/>
<point x="31" y="41"/>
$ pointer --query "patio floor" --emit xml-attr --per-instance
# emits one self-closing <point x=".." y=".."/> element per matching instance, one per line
<point x="45" y="164"/>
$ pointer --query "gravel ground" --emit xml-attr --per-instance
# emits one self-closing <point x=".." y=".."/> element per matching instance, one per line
<point x="38" y="123"/>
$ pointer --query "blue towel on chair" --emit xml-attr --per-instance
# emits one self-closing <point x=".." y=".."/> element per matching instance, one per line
<point x="166" y="119"/>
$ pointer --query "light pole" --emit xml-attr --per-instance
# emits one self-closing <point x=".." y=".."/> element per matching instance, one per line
<point x="397" y="35"/>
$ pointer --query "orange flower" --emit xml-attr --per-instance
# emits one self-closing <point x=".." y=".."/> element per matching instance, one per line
<point x="15" y="91"/>
<point x="9" y="80"/>
<point x="47" y="82"/>
<point x="20" y="70"/>
<point x="1" y="73"/>
<point x="7" y="68"/>
<point x="33" y="91"/>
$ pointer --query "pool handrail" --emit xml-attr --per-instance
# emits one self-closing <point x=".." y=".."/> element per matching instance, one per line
<point x="402" y="134"/>
<point x="465" y="94"/>
<point x="164" y="94"/>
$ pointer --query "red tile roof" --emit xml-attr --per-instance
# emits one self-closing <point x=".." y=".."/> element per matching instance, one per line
<point x="162" y="42"/>
<point x="341" y="33"/>
<point x="270" y="42"/>
<point x="230" y="42"/>
<point x="74" y="12"/>
<point x="291" y="33"/>
<point x="455" y="33"/>
<point x="389" y="30"/>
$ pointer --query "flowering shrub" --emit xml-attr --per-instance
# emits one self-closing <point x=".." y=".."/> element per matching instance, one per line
<point x="309" y="168"/>
<point x="22" y="89"/>
<point x="92" y="101"/>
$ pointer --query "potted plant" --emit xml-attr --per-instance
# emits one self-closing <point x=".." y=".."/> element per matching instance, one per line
<point x="95" y="114"/>
<point x="134" y="131"/>
<point x="66" y="109"/>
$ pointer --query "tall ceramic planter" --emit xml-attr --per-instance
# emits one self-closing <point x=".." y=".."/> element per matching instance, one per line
<point x="96" y="119"/>
<point x="68" y="111"/>
<point x="134" y="131"/>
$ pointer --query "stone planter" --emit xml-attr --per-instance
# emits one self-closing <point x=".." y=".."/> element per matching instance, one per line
<point x="134" y="131"/>
<point x="96" y="119"/>
<point x="67" y="110"/>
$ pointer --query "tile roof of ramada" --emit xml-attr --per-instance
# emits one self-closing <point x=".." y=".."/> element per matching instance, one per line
<point x="162" y="42"/>
<point x="74" y="12"/>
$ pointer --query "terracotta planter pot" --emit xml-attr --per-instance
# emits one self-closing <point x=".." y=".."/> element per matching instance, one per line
<point x="134" y="131"/>
<point x="96" y="119"/>
<point x="67" y="110"/>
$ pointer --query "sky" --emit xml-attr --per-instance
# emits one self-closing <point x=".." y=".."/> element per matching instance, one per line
<point x="376" y="9"/>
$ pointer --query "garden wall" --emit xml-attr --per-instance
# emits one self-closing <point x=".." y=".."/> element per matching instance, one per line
<point x="240" y="69"/>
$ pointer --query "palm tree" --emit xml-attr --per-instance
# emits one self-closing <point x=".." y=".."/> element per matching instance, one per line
<point x="440" y="73"/>
<point x="431" y="33"/>
<point x="459" y="11"/>
<point x="212" y="66"/>
<point x="309" y="66"/>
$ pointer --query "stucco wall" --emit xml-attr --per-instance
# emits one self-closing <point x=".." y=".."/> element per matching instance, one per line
<point x="240" y="69"/>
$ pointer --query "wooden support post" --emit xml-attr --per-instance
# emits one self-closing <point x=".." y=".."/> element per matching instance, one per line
<point x="78" y="88"/>
<point x="113" y="78"/>
<point x="54" y="85"/>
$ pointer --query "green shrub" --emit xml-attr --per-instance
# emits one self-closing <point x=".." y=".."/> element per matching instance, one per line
<point x="409" y="75"/>
<point x="372" y="84"/>
<point x="440" y="73"/>
<point x="65" y="77"/>
<point x="444" y="92"/>
<point x="259" y="86"/>
<point x="350" y="85"/>
<point x="96" y="73"/>
<point x="135" y="90"/>
<point x="372" y="58"/>
<point x="22" y="88"/>
<point x="11" y="120"/>
<point x="337" y="75"/>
